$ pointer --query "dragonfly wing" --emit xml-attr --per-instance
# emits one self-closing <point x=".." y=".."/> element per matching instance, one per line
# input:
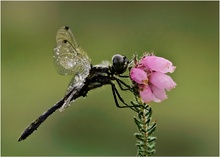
<point x="69" y="58"/>
<point x="75" y="86"/>
<point x="67" y="101"/>
<point x="64" y="33"/>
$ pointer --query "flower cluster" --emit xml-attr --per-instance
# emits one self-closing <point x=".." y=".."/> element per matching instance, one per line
<point x="149" y="74"/>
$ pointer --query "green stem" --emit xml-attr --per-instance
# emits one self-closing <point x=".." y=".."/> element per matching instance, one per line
<point x="145" y="140"/>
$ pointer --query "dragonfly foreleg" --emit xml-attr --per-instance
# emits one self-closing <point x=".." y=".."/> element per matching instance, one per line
<point x="120" y="83"/>
<point x="116" y="94"/>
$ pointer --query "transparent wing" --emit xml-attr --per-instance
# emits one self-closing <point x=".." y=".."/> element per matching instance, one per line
<point x="75" y="86"/>
<point x="69" y="58"/>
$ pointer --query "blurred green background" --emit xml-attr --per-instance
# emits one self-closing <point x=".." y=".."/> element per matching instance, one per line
<point x="184" y="32"/>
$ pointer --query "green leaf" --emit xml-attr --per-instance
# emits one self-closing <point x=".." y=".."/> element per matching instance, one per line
<point x="151" y="138"/>
<point x="151" y="128"/>
<point x="139" y="136"/>
<point x="138" y="123"/>
<point x="148" y="121"/>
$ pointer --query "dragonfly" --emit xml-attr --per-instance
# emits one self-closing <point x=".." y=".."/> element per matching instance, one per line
<point x="71" y="59"/>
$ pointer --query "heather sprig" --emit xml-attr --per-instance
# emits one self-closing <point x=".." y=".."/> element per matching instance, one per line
<point x="150" y="83"/>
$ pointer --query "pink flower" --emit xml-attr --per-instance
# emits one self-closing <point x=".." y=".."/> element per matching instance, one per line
<point x="152" y="82"/>
<point x="139" y="75"/>
<point x="159" y="64"/>
<point x="162" y="81"/>
<point x="159" y="93"/>
<point x="147" y="95"/>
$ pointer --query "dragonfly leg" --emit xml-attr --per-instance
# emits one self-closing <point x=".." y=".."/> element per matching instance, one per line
<point x="120" y="83"/>
<point x="116" y="94"/>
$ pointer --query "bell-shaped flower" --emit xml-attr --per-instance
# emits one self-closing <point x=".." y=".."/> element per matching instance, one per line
<point x="159" y="93"/>
<point x="151" y="78"/>
<point x="159" y="64"/>
<point x="139" y="76"/>
<point x="162" y="81"/>
<point x="147" y="95"/>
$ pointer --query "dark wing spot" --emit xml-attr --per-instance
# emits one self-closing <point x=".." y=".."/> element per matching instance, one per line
<point x="66" y="27"/>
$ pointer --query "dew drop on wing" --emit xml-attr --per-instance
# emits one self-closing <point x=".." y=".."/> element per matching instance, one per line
<point x="69" y="58"/>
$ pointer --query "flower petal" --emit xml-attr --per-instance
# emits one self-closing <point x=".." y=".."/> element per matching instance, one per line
<point x="147" y="95"/>
<point x="158" y="64"/>
<point x="162" y="81"/>
<point x="139" y="76"/>
<point x="159" y="93"/>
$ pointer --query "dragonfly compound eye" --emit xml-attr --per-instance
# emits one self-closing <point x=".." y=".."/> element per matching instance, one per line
<point x="120" y="63"/>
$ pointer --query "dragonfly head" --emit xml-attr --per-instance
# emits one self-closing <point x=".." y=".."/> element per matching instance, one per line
<point x="119" y="64"/>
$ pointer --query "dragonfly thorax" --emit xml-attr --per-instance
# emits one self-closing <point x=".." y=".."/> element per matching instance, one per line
<point x="119" y="64"/>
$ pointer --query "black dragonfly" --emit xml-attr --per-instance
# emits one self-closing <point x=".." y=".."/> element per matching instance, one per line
<point x="70" y="59"/>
